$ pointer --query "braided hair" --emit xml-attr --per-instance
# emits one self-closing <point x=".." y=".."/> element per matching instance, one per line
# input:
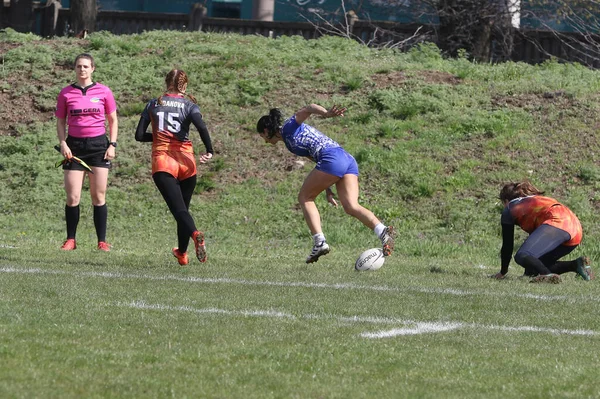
<point x="176" y="81"/>
<point x="271" y="122"/>
<point x="511" y="191"/>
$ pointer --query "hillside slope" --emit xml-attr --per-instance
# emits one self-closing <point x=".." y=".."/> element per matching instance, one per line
<point x="435" y="138"/>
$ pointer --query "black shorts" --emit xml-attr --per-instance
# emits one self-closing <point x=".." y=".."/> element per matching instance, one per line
<point x="90" y="150"/>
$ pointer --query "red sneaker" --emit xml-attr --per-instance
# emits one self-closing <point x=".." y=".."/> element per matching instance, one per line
<point x="198" y="238"/>
<point x="182" y="258"/>
<point x="103" y="246"/>
<point x="69" y="245"/>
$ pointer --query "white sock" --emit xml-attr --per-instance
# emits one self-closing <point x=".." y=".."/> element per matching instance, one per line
<point x="318" y="239"/>
<point x="380" y="228"/>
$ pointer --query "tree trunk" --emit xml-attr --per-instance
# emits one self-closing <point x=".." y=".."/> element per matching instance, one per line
<point x="83" y="16"/>
<point x="49" y="18"/>
<point x="20" y="15"/>
<point x="472" y="25"/>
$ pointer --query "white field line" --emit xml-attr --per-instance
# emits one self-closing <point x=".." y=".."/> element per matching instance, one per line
<point x="419" y="328"/>
<point x="340" y="286"/>
<point x="422" y="328"/>
<point x="410" y="327"/>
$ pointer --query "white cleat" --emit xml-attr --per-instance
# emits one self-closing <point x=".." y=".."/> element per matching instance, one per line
<point x="387" y="241"/>
<point x="318" y="251"/>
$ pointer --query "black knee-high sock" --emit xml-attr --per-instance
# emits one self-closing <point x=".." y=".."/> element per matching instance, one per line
<point x="100" y="217"/>
<point x="564" y="267"/>
<point x="187" y="223"/>
<point x="185" y="228"/>
<point x="72" y="218"/>
<point x="183" y="238"/>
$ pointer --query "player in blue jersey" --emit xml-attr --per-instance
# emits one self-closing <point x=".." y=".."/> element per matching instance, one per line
<point x="334" y="166"/>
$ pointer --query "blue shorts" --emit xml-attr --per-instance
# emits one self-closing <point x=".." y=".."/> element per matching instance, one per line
<point x="336" y="161"/>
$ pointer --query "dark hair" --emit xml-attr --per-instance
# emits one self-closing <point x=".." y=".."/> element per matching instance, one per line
<point x="510" y="191"/>
<point x="271" y="122"/>
<point x="85" y="56"/>
<point x="176" y="80"/>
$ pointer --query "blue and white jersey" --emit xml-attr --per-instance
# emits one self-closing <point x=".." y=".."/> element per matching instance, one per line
<point x="304" y="140"/>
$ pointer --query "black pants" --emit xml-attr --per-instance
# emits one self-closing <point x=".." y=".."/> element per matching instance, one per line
<point x="177" y="195"/>
<point x="543" y="248"/>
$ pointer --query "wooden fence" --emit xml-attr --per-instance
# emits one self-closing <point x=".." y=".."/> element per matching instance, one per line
<point x="529" y="46"/>
<point x="537" y="46"/>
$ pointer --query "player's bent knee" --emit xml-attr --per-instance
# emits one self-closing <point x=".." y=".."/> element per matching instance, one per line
<point x="520" y="257"/>
<point x="303" y="199"/>
<point x="352" y="209"/>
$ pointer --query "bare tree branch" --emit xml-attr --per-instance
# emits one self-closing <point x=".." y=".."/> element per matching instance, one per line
<point x="377" y="36"/>
<point x="582" y="43"/>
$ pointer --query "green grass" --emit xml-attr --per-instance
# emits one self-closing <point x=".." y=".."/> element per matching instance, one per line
<point x="434" y="138"/>
<point x="125" y="325"/>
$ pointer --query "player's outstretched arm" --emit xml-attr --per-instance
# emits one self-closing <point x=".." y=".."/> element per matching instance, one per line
<point x="316" y="109"/>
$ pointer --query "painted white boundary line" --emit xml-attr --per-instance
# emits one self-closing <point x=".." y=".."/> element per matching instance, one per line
<point x="411" y="327"/>
<point x="419" y="328"/>
<point x="340" y="286"/>
<point x="422" y="328"/>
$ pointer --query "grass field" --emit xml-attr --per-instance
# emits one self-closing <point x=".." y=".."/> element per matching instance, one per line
<point x="434" y="138"/>
<point x="127" y="325"/>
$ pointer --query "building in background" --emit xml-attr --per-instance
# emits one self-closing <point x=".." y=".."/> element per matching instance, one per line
<point x="402" y="11"/>
<point x="215" y="8"/>
<point x="545" y="15"/>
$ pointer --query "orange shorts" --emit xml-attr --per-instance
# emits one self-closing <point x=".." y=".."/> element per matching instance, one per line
<point x="180" y="165"/>
<point x="563" y="218"/>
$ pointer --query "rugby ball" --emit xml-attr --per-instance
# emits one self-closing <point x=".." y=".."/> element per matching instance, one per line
<point x="371" y="259"/>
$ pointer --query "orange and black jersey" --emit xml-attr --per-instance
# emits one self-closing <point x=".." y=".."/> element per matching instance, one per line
<point x="171" y="120"/>
<point x="531" y="212"/>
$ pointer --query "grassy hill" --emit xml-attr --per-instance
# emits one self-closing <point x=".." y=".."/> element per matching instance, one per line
<point x="435" y="140"/>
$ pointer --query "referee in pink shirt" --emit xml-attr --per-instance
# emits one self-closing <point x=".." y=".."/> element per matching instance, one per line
<point x="84" y="107"/>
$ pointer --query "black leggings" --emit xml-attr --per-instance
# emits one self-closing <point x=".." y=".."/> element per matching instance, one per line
<point x="177" y="195"/>
<point x="542" y="249"/>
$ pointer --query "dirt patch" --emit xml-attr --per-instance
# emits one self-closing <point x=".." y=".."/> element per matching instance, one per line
<point x="18" y="109"/>
<point x="383" y="80"/>
<point x="397" y="78"/>
<point x="439" y="77"/>
<point x="28" y="112"/>
<point x="529" y="101"/>
<point x="6" y="46"/>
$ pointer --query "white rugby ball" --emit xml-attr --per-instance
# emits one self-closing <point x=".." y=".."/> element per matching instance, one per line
<point x="371" y="259"/>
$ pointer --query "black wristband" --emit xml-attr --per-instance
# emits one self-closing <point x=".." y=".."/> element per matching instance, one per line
<point x="113" y="143"/>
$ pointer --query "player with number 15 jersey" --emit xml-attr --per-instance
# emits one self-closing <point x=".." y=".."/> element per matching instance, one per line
<point x="172" y="151"/>
<point x="173" y="163"/>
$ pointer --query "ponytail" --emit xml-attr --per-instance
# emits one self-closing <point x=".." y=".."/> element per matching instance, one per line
<point x="271" y="122"/>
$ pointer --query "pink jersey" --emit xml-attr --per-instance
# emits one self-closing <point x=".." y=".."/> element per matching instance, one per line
<point x="85" y="109"/>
